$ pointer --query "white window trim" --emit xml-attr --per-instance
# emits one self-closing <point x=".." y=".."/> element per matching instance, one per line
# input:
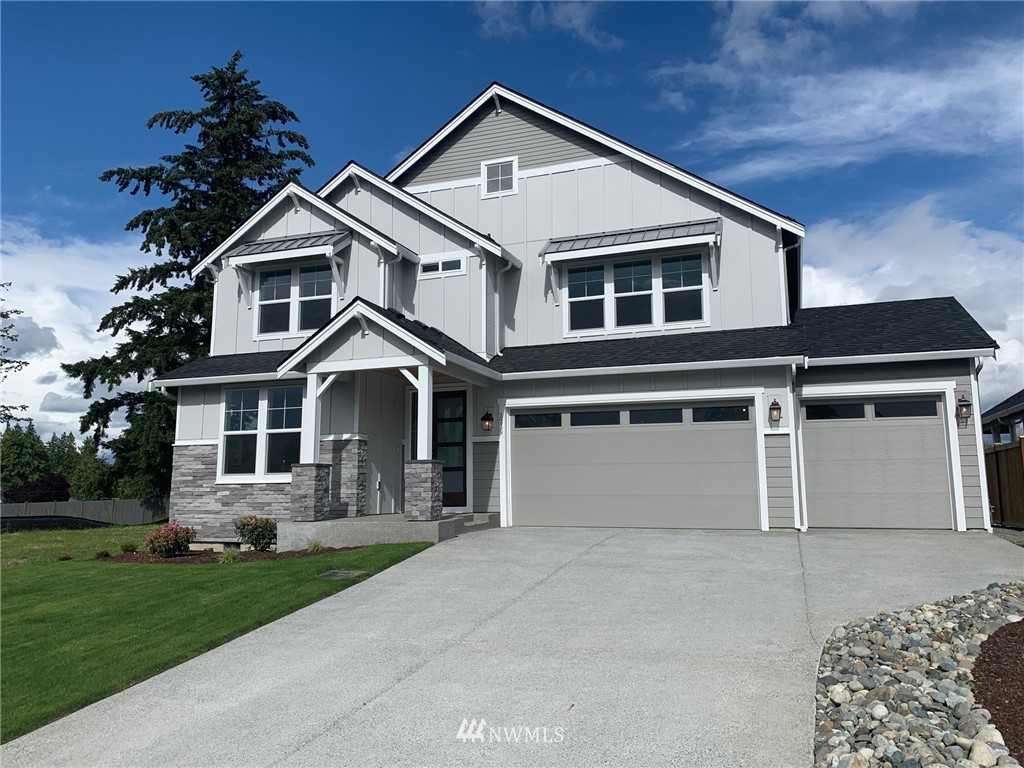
<point x="437" y="258"/>
<point x="293" y="302"/>
<point x="484" y="194"/>
<point x="262" y="420"/>
<point x="657" y="294"/>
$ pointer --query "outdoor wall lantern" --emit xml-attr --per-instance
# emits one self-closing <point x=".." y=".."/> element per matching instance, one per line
<point x="963" y="410"/>
<point x="775" y="412"/>
<point x="487" y="422"/>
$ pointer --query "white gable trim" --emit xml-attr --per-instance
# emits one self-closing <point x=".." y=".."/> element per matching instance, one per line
<point x="601" y="138"/>
<point x="353" y="169"/>
<point x="362" y="313"/>
<point x="297" y="192"/>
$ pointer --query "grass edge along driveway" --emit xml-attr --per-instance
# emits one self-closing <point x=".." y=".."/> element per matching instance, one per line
<point x="76" y="631"/>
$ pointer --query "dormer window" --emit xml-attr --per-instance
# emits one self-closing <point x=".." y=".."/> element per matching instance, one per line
<point x="499" y="177"/>
<point x="294" y="300"/>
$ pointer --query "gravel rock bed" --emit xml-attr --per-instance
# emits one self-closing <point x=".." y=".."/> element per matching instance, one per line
<point x="895" y="690"/>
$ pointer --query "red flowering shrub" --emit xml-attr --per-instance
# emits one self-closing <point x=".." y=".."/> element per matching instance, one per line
<point x="171" y="540"/>
<point x="258" y="532"/>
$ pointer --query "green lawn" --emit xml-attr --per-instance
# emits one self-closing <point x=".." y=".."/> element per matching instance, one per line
<point x="73" y="632"/>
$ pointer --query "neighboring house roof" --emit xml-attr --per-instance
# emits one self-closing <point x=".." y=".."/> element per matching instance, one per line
<point x="1011" y="405"/>
<point x="503" y="92"/>
<point x="891" y="328"/>
<point x="709" y="346"/>
<point x="354" y="169"/>
<point x="273" y="245"/>
<point x="224" y="366"/>
<point x="635" y="236"/>
<point x="298" y="192"/>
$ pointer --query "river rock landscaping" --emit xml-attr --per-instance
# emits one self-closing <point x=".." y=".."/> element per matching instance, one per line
<point x="896" y="690"/>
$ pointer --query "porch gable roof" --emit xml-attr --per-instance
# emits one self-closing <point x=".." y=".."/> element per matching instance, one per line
<point x="433" y="343"/>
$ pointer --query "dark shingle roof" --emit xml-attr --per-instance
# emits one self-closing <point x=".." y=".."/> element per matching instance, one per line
<point x="891" y="327"/>
<point x="780" y="341"/>
<point x="1009" y="405"/>
<point x="275" y="244"/>
<point x="227" y="365"/>
<point x="630" y="236"/>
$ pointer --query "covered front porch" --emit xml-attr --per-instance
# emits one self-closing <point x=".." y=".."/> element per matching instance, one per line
<point x="388" y="421"/>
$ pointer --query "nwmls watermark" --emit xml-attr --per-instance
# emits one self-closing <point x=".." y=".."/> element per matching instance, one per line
<point x="480" y="731"/>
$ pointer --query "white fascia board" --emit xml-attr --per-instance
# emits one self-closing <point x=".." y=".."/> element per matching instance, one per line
<point x="611" y="250"/>
<point x="624" y="149"/>
<point x="414" y="202"/>
<point x="473" y="367"/>
<point x="240" y="379"/>
<point x="680" y="395"/>
<point x="756" y="362"/>
<point x="367" y="364"/>
<point x="293" y="189"/>
<point x="855" y="389"/>
<point x="905" y="357"/>
<point x="357" y="310"/>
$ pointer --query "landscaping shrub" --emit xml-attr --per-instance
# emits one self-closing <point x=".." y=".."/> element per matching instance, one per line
<point x="171" y="540"/>
<point x="314" y="546"/>
<point x="103" y="554"/>
<point x="128" y="546"/>
<point x="260" y="533"/>
<point x="229" y="555"/>
<point x="63" y="556"/>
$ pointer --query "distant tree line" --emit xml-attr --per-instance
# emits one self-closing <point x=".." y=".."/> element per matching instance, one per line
<point x="57" y="470"/>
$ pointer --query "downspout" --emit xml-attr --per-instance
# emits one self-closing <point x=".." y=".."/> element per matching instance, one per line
<point x="389" y="283"/>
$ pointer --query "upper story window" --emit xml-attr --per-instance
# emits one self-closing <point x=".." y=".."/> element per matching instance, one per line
<point x="666" y="291"/>
<point x="442" y="265"/>
<point x="294" y="300"/>
<point x="262" y="432"/>
<point x="499" y="177"/>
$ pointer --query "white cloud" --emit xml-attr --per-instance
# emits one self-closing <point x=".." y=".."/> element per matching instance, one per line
<point x="64" y="285"/>
<point x="919" y="251"/>
<point x="506" y="21"/>
<point x="32" y="340"/>
<point x="795" y="99"/>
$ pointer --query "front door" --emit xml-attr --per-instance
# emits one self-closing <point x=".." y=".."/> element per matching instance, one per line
<point x="450" y="445"/>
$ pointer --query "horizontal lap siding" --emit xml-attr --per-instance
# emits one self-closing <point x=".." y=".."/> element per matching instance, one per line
<point x="487" y="136"/>
<point x="971" y="474"/>
<point x="485" y="476"/>
<point x="778" y="461"/>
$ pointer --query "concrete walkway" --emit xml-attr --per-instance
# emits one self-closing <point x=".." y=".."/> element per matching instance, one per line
<point x="633" y="648"/>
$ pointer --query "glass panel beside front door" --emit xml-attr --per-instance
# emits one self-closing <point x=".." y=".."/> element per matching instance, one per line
<point x="449" y="442"/>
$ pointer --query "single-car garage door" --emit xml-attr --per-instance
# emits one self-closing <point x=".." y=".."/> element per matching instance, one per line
<point x="651" y="466"/>
<point x="876" y="464"/>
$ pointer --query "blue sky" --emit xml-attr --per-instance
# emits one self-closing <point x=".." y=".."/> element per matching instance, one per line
<point x="894" y="131"/>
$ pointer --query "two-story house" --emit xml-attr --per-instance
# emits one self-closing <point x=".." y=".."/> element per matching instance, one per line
<point x="529" y="316"/>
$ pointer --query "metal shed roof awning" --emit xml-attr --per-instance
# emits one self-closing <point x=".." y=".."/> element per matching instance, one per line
<point x="315" y="244"/>
<point x="707" y="231"/>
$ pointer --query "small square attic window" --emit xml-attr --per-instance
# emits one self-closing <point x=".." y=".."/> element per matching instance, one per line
<point x="499" y="177"/>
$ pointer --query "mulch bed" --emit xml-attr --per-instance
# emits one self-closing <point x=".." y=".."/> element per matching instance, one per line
<point x="194" y="558"/>
<point x="1000" y="668"/>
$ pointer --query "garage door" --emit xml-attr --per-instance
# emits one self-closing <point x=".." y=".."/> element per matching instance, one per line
<point x="655" y="466"/>
<point x="876" y="464"/>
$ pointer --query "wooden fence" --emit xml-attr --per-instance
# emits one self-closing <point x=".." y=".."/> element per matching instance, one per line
<point x="1004" y="465"/>
<point x="105" y="512"/>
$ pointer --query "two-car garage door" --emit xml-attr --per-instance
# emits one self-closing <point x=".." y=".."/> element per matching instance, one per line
<point x="876" y="464"/>
<point x="652" y="466"/>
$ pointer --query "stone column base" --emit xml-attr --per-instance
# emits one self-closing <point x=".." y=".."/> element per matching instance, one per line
<point x="348" y="460"/>
<point x="311" y="492"/>
<point x="423" y="499"/>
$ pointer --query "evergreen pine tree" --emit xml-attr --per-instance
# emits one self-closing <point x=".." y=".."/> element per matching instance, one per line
<point x="91" y="477"/>
<point x="62" y="454"/>
<point x="239" y="154"/>
<point x="22" y="455"/>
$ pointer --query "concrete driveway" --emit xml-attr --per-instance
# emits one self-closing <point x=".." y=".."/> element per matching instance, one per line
<point x="630" y="647"/>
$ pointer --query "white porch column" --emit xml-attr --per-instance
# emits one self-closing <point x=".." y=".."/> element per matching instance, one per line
<point x="425" y="413"/>
<point x="310" y="420"/>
